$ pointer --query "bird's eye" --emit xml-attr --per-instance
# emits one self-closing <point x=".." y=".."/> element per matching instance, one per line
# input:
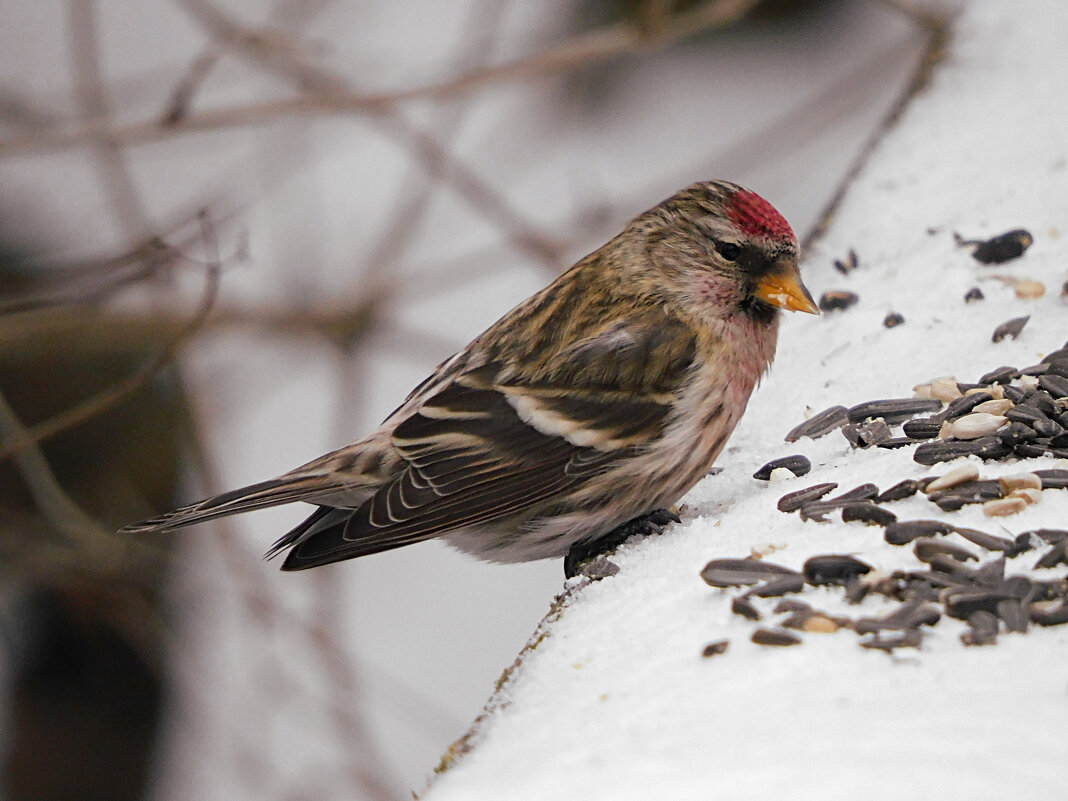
<point x="728" y="250"/>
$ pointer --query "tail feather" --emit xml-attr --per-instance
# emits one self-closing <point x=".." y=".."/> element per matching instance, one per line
<point x="275" y="492"/>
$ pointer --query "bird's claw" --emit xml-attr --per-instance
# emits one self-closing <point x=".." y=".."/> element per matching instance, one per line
<point x="583" y="553"/>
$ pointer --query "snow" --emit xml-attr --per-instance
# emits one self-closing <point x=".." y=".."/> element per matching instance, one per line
<point x="616" y="701"/>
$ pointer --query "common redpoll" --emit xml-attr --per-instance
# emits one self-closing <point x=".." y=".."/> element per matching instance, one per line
<point x="599" y="400"/>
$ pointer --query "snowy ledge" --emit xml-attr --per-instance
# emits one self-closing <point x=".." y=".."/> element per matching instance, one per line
<point x="613" y="698"/>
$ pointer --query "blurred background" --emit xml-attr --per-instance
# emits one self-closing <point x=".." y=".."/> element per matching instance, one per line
<point x="233" y="235"/>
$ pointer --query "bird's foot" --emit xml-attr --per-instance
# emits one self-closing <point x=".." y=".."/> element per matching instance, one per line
<point x="591" y="554"/>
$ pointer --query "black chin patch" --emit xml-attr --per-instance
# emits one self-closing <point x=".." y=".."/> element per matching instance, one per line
<point x="757" y="310"/>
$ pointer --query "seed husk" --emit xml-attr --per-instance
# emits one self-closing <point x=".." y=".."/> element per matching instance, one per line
<point x="962" y="603"/>
<point x="990" y="542"/>
<point x="797" y="464"/>
<point x="780" y="585"/>
<point x="1003" y="507"/>
<point x="926" y="548"/>
<point x="893" y="319"/>
<point x="983" y="629"/>
<point x="791" y="605"/>
<point x="904" y="532"/>
<point x="745" y="608"/>
<point x="1010" y="328"/>
<point x="847" y="266"/>
<point x="833" y="568"/>
<point x="958" y="475"/>
<point x="1049" y="614"/>
<point x="1001" y="248"/>
<point x="973" y="295"/>
<point x="775" y="637"/>
<point x="742" y="572"/>
<point x="1013" y="614"/>
<point x="1053" y="478"/>
<point x="715" y="648"/>
<point x="896" y="442"/>
<point x="869" y="513"/>
<point x="900" y="491"/>
<point x="792" y="501"/>
<point x="999" y="375"/>
<point x="874" y="432"/>
<point x="838" y="300"/>
<point x="1056" y="555"/>
<point x="820" y="424"/>
<point x="893" y="410"/>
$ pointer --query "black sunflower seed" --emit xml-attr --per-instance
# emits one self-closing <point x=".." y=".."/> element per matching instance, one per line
<point x="780" y="585"/>
<point x="745" y="608"/>
<point x="983" y="628"/>
<point x="1056" y="555"/>
<point x="838" y="300"/>
<point x="1015" y="433"/>
<point x="893" y="410"/>
<point x="792" y="501"/>
<point x="797" y="464"/>
<point x="988" y="541"/>
<point x="999" y="375"/>
<point x="1010" y="328"/>
<point x="1043" y="401"/>
<point x="1001" y="248"/>
<point x="1015" y="394"/>
<point x="930" y="453"/>
<point x="869" y="513"/>
<point x="963" y="603"/>
<point x="911" y="638"/>
<point x="715" y="648"/>
<point x="926" y="548"/>
<point x="1013" y="614"/>
<point x="742" y="572"/>
<point x="820" y="424"/>
<point x="964" y="404"/>
<point x="900" y="491"/>
<point x="778" y="637"/>
<point x="896" y="442"/>
<point x="904" y="532"/>
<point x="1055" y="385"/>
<point x="1035" y="370"/>
<point x="833" y="568"/>
<point x="791" y="605"/>
<point x="1049" y="616"/>
<point x="892" y="320"/>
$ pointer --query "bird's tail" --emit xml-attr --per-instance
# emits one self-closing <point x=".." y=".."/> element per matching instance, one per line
<point x="275" y="492"/>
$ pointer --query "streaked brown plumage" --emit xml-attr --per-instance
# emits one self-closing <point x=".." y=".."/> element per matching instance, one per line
<point x="601" y="398"/>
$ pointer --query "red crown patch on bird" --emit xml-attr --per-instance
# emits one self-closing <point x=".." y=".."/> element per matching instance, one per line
<point x="754" y="216"/>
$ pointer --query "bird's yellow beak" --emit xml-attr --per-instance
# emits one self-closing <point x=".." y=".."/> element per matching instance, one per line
<point x="783" y="288"/>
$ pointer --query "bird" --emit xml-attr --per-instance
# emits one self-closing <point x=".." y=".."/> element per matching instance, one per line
<point x="577" y="418"/>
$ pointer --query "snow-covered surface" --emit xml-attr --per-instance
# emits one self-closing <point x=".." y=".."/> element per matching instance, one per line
<point x="617" y="702"/>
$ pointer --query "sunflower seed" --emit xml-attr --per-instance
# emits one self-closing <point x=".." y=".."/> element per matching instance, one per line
<point x="965" y="404"/>
<point x="900" y="490"/>
<point x="1056" y="555"/>
<point x="1001" y="248"/>
<point x="820" y="624"/>
<point x="973" y="295"/>
<point x="893" y="410"/>
<point x="867" y="513"/>
<point x="972" y="426"/>
<point x="906" y="531"/>
<point x="792" y="501"/>
<point x="983" y="629"/>
<point x="958" y="475"/>
<point x="847" y="266"/>
<point x="1015" y="433"/>
<point x="922" y="427"/>
<point x="780" y="585"/>
<point x="838" y="300"/>
<point x="944" y="389"/>
<point x="791" y="605"/>
<point x="1055" y="385"/>
<point x="999" y="375"/>
<point x="962" y="603"/>
<point x="833" y="568"/>
<point x="874" y="432"/>
<point x="745" y="608"/>
<point x="892" y="320"/>
<point x="820" y="424"/>
<point x="777" y="637"/>
<point x="1013" y="614"/>
<point x="715" y="648"/>
<point x="797" y="464"/>
<point x="742" y="572"/>
<point x="994" y="406"/>
<point x="1053" y="478"/>
<point x="1034" y="369"/>
<point x="1010" y="328"/>
<point x="930" y="453"/>
<point x="862" y="492"/>
<point x="1027" y="494"/>
<point x="1003" y="507"/>
<point x="1049" y="614"/>
<point x="1042" y="401"/>
<point x="990" y="542"/>
<point x="906" y="639"/>
<point x="926" y="548"/>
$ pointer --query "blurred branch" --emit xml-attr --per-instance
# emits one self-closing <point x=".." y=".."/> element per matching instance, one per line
<point x="123" y="389"/>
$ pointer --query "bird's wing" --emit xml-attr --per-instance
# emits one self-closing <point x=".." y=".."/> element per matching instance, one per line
<point x="493" y="443"/>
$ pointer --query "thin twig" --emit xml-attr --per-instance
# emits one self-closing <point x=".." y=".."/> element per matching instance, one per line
<point x="118" y="392"/>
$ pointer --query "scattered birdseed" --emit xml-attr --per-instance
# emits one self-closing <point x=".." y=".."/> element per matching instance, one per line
<point x="904" y="532"/>
<point x="792" y="501"/>
<point x="1003" y="507"/>
<point x="715" y="648"/>
<point x="958" y="475"/>
<point x="868" y="513"/>
<point x="847" y="266"/>
<point x="744" y="607"/>
<point x="998" y="249"/>
<point x="973" y="295"/>
<point x="900" y="491"/>
<point x="894" y="410"/>
<point x="892" y="320"/>
<point x="820" y="424"/>
<point x="833" y="568"/>
<point x="838" y="300"/>
<point x="777" y="637"/>
<point x="742" y="572"/>
<point x="798" y="465"/>
<point x="1010" y="328"/>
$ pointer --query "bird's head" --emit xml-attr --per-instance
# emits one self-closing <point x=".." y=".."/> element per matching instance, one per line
<point x="727" y="250"/>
